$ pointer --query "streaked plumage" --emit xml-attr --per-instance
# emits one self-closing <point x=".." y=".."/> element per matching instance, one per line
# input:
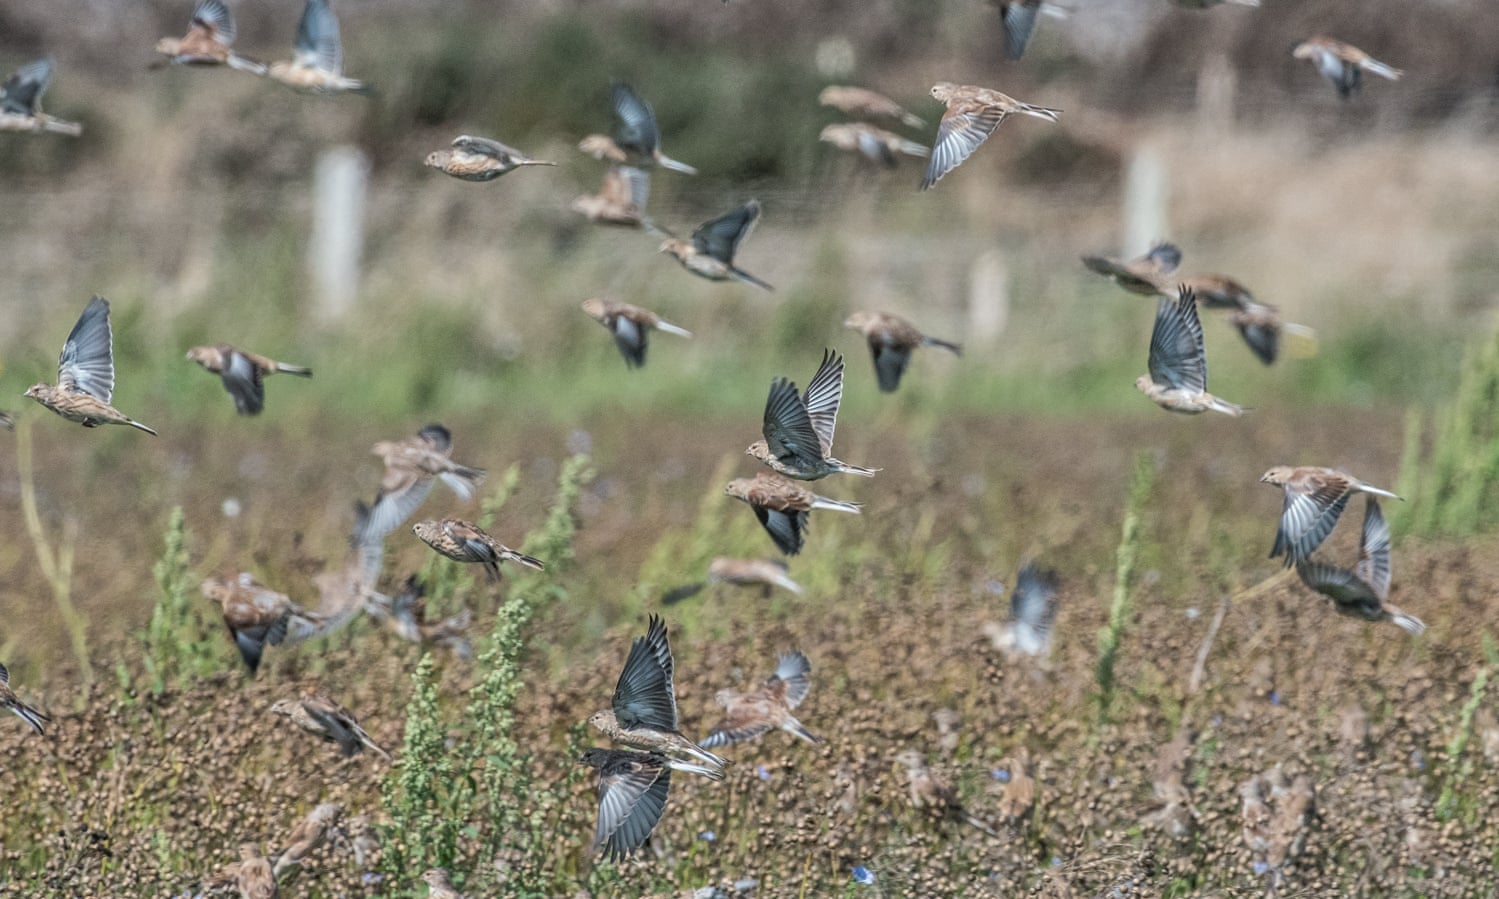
<point x="438" y="884"/>
<point x="934" y="793"/>
<point x="621" y="199"/>
<point x="9" y="700"/>
<point x="317" y="66"/>
<point x="324" y="718"/>
<point x="632" y="795"/>
<point x="782" y="507"/>
<point x="243" y="373"/>
<point x="86" y="374"/>
<point x="21" y="101"/>
<point x="479" y="159"/>
<point x="748" y="715"/>
<point x="859" y="101"/>
<point x="1178" y="378"/>
<point x="1343" y="64"/>
<point x="1258" y="323"/>
<point x="1362" y="592"/>
<point x="1148" y="275"/>
<point x="463" y="541"/>
<point x="798" y="428"/>
<point x="412" y="465"/>
<point x="209" y="41"/>
<point x="1314" y="500"/>
<point x="257" y="615"/>
<point x="1017" y="793"/>
<point x="874" y="144"/>
<point x="1033" y="610"/>
<point x="643" y="711"/>
<point x="973" y="113"/>
<point x="631" y="327"/>
<point x="710" y="251"/>
<point x="637" y="137"/>
<point x="256" y="878"/>
<point x="891" y="340"/>
<point x="310" y="833"/>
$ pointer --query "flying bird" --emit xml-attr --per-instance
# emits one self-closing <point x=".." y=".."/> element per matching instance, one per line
<point x="209" y="41"/>
<point x="782" y="507"/>
<point x="9" y="700"/>
<point x="86" y="374"/>
<point x="748" y="715"/>
<point x="1314" y="500"/>
<point x="643" y="712"/>
<point x="631" y="327"/>
<point x="1178" y="379"/>
<point x="1033" y="611"/>
<point x="257" y="615"/>
<point x="1019" y="20"/>
<point x="243" y="373"/>
<point x="798" y="427"/>
<point x="972" y="115"/>
<point x="1259" y="324"/>
<point x="21" y="101"/>
<point x="875" y="144"/>
<point x="1363" y="592"/>
<point x="326" y="719"/>
<point x="710" y="251"/>
<point x="412" y="466"/>
<point x="479" y="159"/>
<point x="462" y="541"/>
<point x="1147" y="275"/>
<point x="317" y="66"/>
<point x="632" y="796"/>
<point x="932" y="791"/>
<point x="637" y="138"/>
<point x="256" y="880"/>
<point x="621" y="199"/>
<point x="765" y="573"/>
<point x="1343" y="64"/>
<point x="859" y="101"/>
<point x="891" y="340"/>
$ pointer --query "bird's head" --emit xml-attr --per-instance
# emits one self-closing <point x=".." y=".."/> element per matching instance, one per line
<point x="943" y="90"/>
<point x="283" y="707"/>
<point x="38" y="391"/>
<point x="594" y="307"/>
<point x="859" y="320"/>
<point x="437" y="159"/>
<point x="1278" y="476"/>
<point x="169" y="46"/>
<point x="675" y="246"/>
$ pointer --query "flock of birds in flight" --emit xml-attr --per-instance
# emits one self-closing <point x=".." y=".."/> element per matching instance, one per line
<point x="797" y="429"/>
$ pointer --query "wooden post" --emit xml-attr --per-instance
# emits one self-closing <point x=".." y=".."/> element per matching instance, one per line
<point x="337" y="241"/>
<point x="1145" y="195"/>
<point x="988" y="296"/>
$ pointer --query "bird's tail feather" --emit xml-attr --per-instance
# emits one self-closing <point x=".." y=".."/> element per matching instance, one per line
<point x="955" y="348"/>
<point x="462" y="480"/>
<point x="670" y="328"/>
<point x="297" y="370"/>
<point x="1040" y="112"/>
<point x="528" y="561"/>
<point x="749" y="278"/>
<point x="31" y="716"/>
<point x="1413" y="625"/>
<point x="246" y="65"/>
<point x="668" y="163"/>
<point x="138" y="426"/>
<point x="1382" y="70"/>
<point x="836" y="505"/>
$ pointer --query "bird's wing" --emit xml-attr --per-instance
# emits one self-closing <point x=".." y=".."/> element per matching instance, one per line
<point x="630" y="338"/>
<point x="794" y="673"/>
<point x="402" y="491"/>
<point x="483" y="146"/>
<point x="959" y="135"/>
<point x="1033" y="602"/>
<point x="630" y="805"/>
<point x="1374" y="551"/>
<point x="889" y="364"/>
<point x="637" y="121"/>
<point x="744" y="720"/>
<point x="822" y="398"/>
<point x="720" y="237"/>
<point x="242" y="379"/>
<point x="21" y="92"/>
<point x="1177" y="357"/>
<point x="318" y="45"/>
<point x="87" y="360"/>
<point x="787" y="426"/>
<point x="215" y="16"/>
<point x="785" y="528"/>
<point x="1306" y="519"/>
<point x="644" y="696"/>
<point x="1019" y="20"/>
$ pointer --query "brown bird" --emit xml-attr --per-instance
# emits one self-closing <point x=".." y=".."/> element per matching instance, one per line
<point x="891" y="340"/>
<point x="1295" y="807"/>
<point x="406" y="614"/>
<point x="973" y="113"/>
<point x="1364" y="591"/>
<point x="324" y="718"/>
<point x="257" y="615"/>
<point x="412" y="465"/>
<point x="9" y="700"/>
<point x="859" y="101"/>
<point x="1178" y="378"/>
<point x="464" y="542"/>
<point x="1259" y="324"/>
<point x="621" y="199"/>
<point x="782" y="507"/>
<point x="1314" y="500"/>
<point x="798" y="427"/>
<point x="438" y="884"/>
<point x="631" y="327"/>
<point x="310" y="833"/>
<point x="1147" y="275"/>
<point x="766" y="573"/>
<point x="632" y="796"/>
<point x="86" y="374"/>
<point x="1019" y="20"/>
<point x="874" y="144"/>
<point x="256" y="879"/>
<point x="1017" y="790"/>
<point x="637" y="138"/>
<point x="209" y="41"/>
<point x="21" y="101"/>
<point x="317" y="66"/>
<point x="243" y="373"/>
<point x="643" y="712"/>
<point x="1343" y="64"/>
<point x="711" y="250"/>
<point x="748" y="715"/>
<point x="479" y="159"/>
<point x="935" y="793"/>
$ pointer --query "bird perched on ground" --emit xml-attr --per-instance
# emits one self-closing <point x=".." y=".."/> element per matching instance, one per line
<point x="308" y="835"/>
<point x="86" y="374"/>
<point x="643" y="712"/>
<point x="438" y="884"/>
<point x="209" y="42"/>
<point x="412" y="464"/>
<point x="9" y="700"/>
<point x="1178" y="379"/>
<point x="621" y="199"/>
<point x="632" y="796"/>
<point x="1314" y="500"/>
<point x="1343" y="64"/>
<point x="933" y="792"/>
<point x="631" y="327"/>
<point x="859" y="101"/>
<point x="1276" y="818"/>
<point x="243" y="373"/>
<point x="256" y="879"/>
<point x="782" y="507"/>
<point x="766" y="573"/>
<point x="637" y="138"/>
<point x="464" y="542"/>
<point x="710" y="252"/>
<point x="324" y="718"/>
<point x="21" y="101"/>
<point x="257" y="615"/>
<point x="1147" y="275"/>
<point x="317" y="66"/>
<point x="1019" y="20"/>
<point x="875" y="144"/>
<point x="972" y="115"/>
<point x="748" y="715"/>
<point x="1362" y="592"/>
<point x="1259" y="324"/>
<point x="891" y="340"/>
<point x="479" y="159"/>
<point x="1033" y="610"/>
<point x="1017" y="790"/>
<point x="798" y="428"/>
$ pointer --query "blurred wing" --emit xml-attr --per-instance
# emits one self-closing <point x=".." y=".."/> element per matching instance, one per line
<point x="1305" y="521"/>
<point x="21" y="91"/>
<point x="787" y="426"/>
<point x="483" y="146"/>
<point x="637" y="121"/>
<point x="959" y="135"/>
<point x="720" y="237"/>
<point x="1374" y="551"/>
<point x="631" y="340"/>
<point x="889" y="364"/>
<point x="644" y="696"/>
<point x="241" y="378"/>
<point x="4" y="675"/>
<point x="1019" y="20"/>
<point x="630" y="805"/>
<point x="1165" y="258"/>
<point x="87" y="360"/>
<point x="215" y="16"/>
<point x="794" y="671"/>
<point x="635" y="186"/>
<point x="1177" y="358"/>
<point x="823" y="396"/>
<point x="785" y="528"/>
<point x="318" y="45"/>
<point x="1260" y="334"/>
<point x="394" y="504"/>
<point x="1339" y="584"/>
<point x="1033" y="604"/>
<point x="743" y="721"/>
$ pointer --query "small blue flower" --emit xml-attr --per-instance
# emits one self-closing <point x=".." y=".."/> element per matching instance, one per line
<point x="371" y="877"/>
<point x="1193" y="613"/>
<point x="1260" y="867"/>
<point x="863" y="875"/>
<point x="1418" y="760"/>
<point x="1275" y="697"/>
<point x="762" y="772"/>
<point x="1217" y="720"/>
<point x="708" y="836"/>
<point x="1056" y="861"/>
<point x="1000" y="775"/>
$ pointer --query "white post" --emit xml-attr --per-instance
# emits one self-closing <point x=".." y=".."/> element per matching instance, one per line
<point x="1217" y="84"/>
<point x="988" y="296"/>
<point x="337" y="228"/>
<point x="1145" y="194"/>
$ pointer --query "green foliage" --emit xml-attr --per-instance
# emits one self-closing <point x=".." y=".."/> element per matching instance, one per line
<point x="1460" y="769"/>
<point x="176" y="642"/>
<point x="1124" y="576"/>
<point x="416" y="794"/>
